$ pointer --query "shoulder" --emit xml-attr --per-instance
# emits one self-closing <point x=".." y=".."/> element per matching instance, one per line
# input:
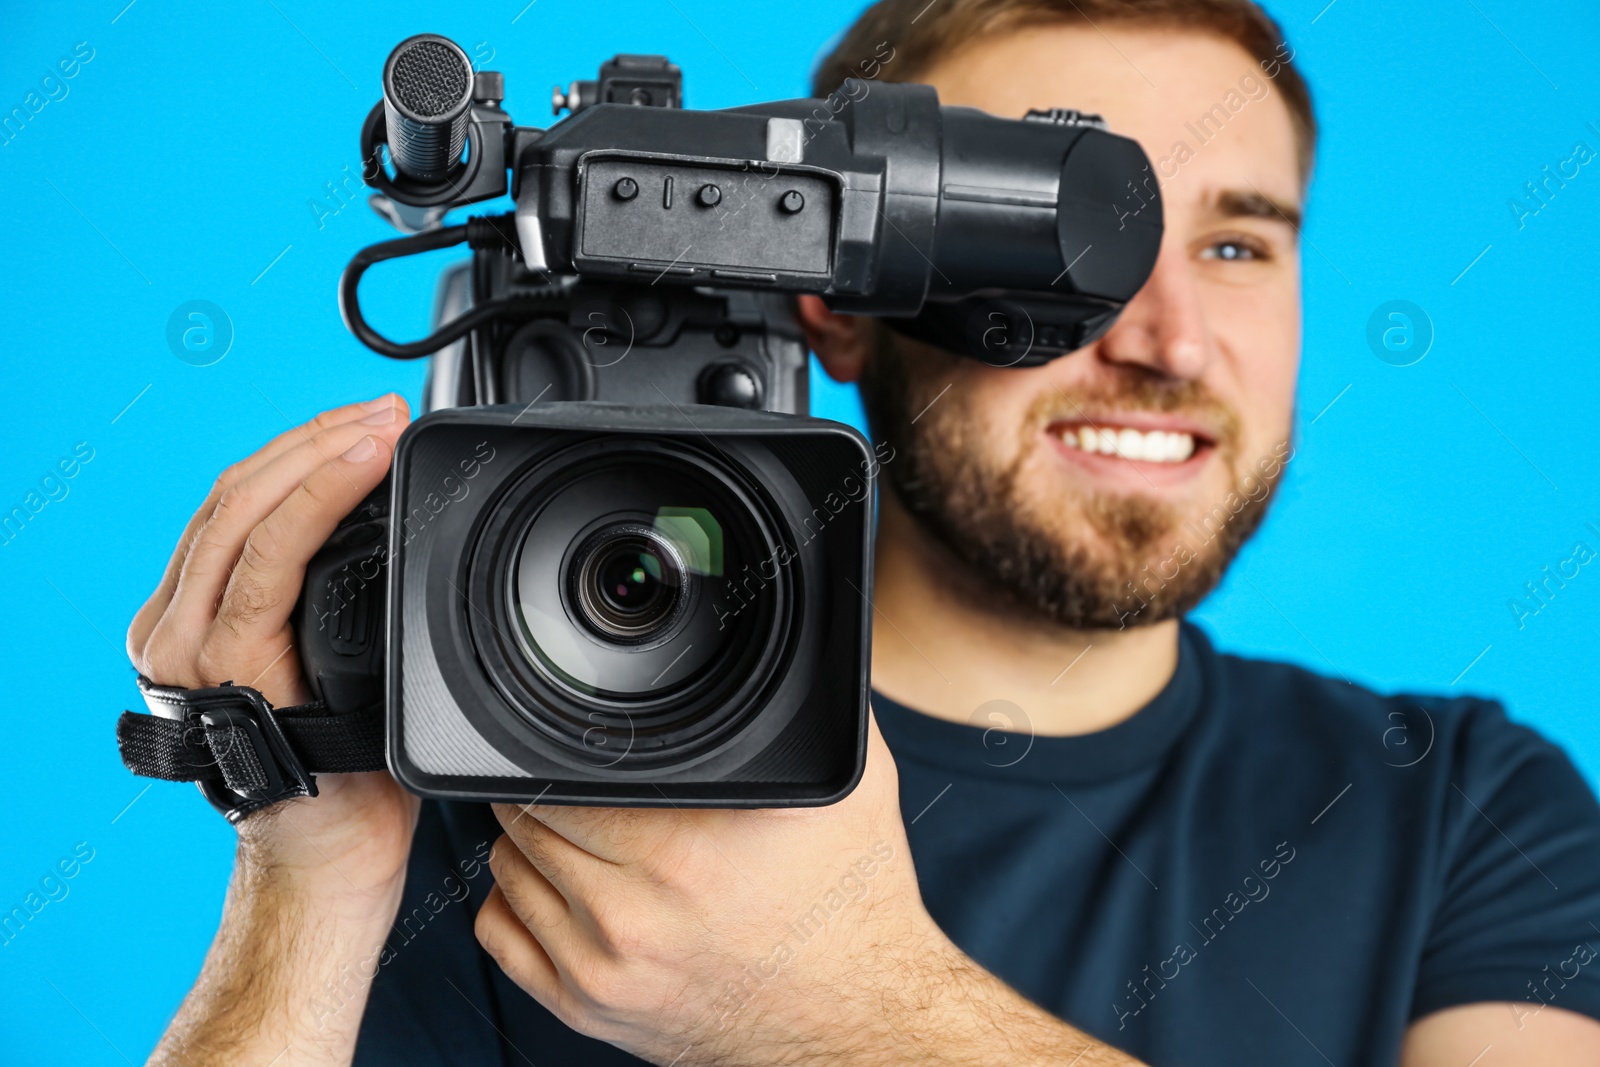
<point x="1470" y="838"/>
<point x="1285" y="704"/>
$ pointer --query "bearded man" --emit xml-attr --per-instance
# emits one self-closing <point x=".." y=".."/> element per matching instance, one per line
<point x="1084" y="836"/>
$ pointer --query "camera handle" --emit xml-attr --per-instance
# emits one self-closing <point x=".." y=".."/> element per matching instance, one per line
<point x="339" y="619"/>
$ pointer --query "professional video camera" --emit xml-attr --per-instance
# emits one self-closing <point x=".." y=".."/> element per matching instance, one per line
<point x="617" y="563"/>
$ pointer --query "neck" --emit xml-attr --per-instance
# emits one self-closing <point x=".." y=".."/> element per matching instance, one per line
<point x="945" y="643"/>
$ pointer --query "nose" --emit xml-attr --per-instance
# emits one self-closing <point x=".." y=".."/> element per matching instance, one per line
<point x="1162" y="329"/>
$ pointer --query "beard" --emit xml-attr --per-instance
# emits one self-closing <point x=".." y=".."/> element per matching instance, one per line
<point x="1097" y="560"/>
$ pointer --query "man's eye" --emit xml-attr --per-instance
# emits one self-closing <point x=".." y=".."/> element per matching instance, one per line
<point x="1233" y="249"/>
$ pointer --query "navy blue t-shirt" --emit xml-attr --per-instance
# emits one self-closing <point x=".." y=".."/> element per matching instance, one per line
<point x="1261" y="866"/>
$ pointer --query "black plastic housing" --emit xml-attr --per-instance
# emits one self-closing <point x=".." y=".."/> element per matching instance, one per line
<point x="901" y="201"/>
<point x="452" y="731"/>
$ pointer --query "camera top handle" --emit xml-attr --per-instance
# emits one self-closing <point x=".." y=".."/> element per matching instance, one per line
<point x="1009" y="240"/>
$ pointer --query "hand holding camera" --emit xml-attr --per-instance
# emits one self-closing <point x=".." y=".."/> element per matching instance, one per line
<point x="221" y="613"/>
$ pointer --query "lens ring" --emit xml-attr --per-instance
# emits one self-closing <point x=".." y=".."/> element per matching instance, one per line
<point x="629" y="584"/>
<point x="659" y="725"/>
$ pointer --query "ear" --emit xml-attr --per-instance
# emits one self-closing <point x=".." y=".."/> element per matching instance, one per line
<point x="843" y="343"/>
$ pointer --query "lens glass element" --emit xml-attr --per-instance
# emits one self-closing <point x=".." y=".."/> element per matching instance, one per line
<point x="624" y="600"/>
<point x="629" y="582"/>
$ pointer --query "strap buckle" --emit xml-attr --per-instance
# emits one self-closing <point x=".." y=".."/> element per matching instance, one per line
<point x="250" y="748"/>
<point x="249" y="763"/>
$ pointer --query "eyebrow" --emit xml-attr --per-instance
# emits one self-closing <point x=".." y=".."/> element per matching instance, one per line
<point x="1237" y="203"/>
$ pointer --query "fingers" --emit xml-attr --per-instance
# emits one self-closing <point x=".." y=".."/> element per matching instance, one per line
<point x="567" y="868"/>
<point x="262" y="587"/>
<point x="146" y="620"/>
<point x="515" y="949"/>
<point x="615" y="835"/>
<point x="247" y="503"/>
<point x="172" y="652"/>
<point x="536" y="901"/>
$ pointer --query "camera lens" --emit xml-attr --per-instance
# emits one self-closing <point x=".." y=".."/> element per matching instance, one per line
<point x="634" y="609"/>
<point x="631" y="593"/>
<point x="628" y="582"/>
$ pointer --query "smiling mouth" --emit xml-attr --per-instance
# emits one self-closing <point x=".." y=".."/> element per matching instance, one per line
<point x="1127" y="442"/>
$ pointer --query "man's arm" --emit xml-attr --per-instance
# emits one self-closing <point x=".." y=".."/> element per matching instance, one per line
<point x="316" y="881"/>
<point x="1503" y="1035"/>
<point x="287" y="976"/>
<point x="752" y="937"/>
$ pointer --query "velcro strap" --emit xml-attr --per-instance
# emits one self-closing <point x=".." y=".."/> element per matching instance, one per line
<point x="241" y="766"/>
<point x="177" y="750"/>
<point x="243" y="753"/>
<point x="330" y="743"/>
<point x="163" y="748"/>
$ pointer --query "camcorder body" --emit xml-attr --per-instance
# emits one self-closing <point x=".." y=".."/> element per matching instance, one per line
<point x="615" y="561"/>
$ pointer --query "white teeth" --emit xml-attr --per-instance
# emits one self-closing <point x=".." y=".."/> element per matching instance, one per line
<point x="1156" y="446"/>
<point x="1130" y="444"/>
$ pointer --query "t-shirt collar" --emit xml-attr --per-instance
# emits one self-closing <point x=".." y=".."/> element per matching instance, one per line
<point x="998" y="743"/>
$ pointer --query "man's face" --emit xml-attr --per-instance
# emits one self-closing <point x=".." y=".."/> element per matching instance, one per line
<point x="1112" y="486"/>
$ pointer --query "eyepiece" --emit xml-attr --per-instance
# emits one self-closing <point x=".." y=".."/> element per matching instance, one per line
<point x="427" y="91"/>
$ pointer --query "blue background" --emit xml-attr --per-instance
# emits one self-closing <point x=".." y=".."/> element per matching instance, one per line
<point x="184" y="162"/>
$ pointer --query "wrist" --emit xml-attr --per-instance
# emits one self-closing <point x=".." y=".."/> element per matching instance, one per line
<point x="317" y="906"/>
<point x="289" y="971"/>
<point x="267" y="881"/>
<point x="932" y="1004"/>
<point x="352" y="839"/>
<point x="913" y="1004"/>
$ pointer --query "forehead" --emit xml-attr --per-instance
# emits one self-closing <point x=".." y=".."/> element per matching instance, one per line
<point x="1207" y="115"/>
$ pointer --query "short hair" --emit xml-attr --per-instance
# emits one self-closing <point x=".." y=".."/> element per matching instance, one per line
<point x="923" y="32"/>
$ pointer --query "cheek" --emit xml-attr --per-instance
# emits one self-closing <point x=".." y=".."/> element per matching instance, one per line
<point x="1261" y="338"/>
<point x="1275" y="388"/>
<point x="982" y="413"/>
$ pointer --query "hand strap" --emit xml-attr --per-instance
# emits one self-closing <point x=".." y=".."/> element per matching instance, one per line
<point x="242" y="753"/>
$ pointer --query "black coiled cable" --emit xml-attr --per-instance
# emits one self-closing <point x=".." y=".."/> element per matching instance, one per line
<point x="488" y="231"/>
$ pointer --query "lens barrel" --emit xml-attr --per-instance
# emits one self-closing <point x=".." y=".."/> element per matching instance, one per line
<point x="591" y="603"/>
<point x="603" y="575"/>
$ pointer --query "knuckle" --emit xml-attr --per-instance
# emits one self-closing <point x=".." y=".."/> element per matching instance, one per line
<point x="165" y="661"/>
<point x="619" y="933"/>
<point x="247" y="598"/>
<point x="498" y="865"/>
<point x="263" y="549"/>
<point x="235" y="500"/>
<point x="212" y="659"/>
<point x="231" y="475"/>
<point x="186" y="542"/>
<point x="139" y="631"/>
<point x="542" y="853"/>
<point x="325" y="419"/>
<point x="317" y="487"/>
<point x="674" y="864"/>
<point x="486" y="931"/>
<point x="141" y="659"/>
<point x="329" y="439"/>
